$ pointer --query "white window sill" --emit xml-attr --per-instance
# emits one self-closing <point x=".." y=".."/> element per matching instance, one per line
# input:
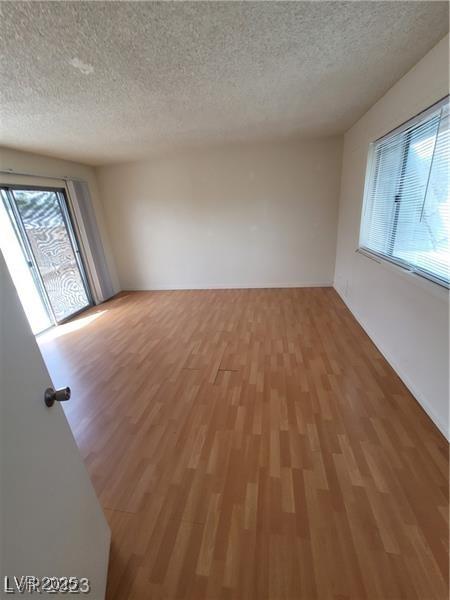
<point x="437" y="289"/>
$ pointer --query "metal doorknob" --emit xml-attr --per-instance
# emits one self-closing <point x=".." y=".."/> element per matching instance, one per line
<point x="59" y="395"/>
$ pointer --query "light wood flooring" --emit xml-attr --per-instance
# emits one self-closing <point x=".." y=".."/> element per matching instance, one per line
<point x="253" y="444"/>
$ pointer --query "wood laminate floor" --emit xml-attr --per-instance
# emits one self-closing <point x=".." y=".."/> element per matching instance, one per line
<point x="253" y="444"/>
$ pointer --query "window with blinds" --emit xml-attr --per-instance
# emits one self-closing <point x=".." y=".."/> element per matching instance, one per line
<point x="406" y="214"/>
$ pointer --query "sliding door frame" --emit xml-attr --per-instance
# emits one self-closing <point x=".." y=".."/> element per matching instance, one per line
<point x="69" y="222"/>
<point x="19" y="228"/>
<point x="24" y="243"/>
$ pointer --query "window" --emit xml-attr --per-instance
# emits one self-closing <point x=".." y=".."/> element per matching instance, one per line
<point x="406" y="214"/>
<point x="38" y="241"/>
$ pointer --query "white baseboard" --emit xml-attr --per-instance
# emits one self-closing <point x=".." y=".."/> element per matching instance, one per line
<point x="419" y="397"/>
<point x="227" y="286"/>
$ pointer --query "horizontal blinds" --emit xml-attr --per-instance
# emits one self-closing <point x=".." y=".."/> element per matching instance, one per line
<point x="406" y="214"/>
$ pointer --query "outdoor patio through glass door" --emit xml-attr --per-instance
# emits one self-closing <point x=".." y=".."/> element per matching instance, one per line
<point x="42" y="224"/>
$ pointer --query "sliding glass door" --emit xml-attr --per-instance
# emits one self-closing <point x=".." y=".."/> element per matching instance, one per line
<point x="42" y="223"/>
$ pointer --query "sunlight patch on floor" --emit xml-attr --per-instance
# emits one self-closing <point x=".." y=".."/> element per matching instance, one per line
<point x="75" y="325"/>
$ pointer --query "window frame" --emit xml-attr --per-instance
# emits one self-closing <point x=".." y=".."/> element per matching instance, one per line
<point x="371" y="167"/>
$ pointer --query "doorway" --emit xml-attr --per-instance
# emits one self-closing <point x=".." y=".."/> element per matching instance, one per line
<point x="40" y="247"/>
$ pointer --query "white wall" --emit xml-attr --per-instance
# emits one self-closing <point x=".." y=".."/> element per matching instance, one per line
<point x="47" y="167"/>
<point x="231" y="216"/>
<point x="406" y="316"/>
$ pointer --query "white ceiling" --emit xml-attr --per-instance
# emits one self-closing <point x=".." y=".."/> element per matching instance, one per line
<point x="102" y="82"/>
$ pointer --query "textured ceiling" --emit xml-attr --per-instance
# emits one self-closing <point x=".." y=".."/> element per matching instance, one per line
<point x="102" y="82"/>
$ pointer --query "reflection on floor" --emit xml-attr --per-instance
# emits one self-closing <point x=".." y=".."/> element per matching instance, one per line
<point x="253" y="444"/>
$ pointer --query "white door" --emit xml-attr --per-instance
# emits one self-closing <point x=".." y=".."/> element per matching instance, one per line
<point x="51" y="523"/>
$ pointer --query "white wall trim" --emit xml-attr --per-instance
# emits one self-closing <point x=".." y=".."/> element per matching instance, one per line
<point x="227" y="286"/>
<point x="418" y="396"/>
